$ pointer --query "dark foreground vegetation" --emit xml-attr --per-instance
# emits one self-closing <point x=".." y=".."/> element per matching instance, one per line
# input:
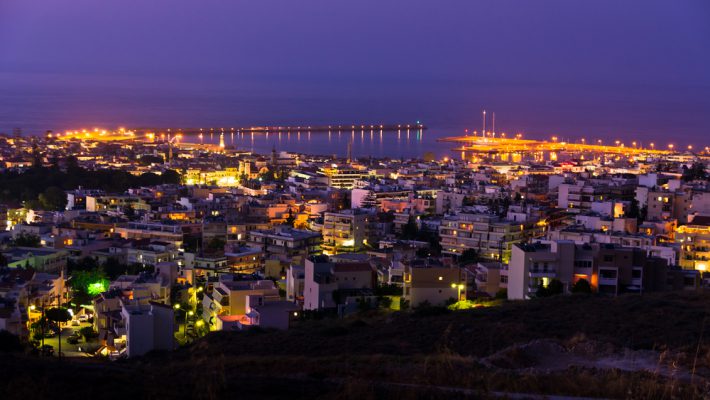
<point x="479" y="353"/>
<point x="42" y="188"/>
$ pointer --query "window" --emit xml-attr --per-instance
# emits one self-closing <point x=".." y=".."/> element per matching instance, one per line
<point x="608" y="258"/>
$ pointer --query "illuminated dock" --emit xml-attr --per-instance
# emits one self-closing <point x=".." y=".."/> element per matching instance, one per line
<point x="489" y="144"/>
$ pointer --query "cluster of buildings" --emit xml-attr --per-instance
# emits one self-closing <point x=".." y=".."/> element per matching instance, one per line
<point x="250" y="240"/>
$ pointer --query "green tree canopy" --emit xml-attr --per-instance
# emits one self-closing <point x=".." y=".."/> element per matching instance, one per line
<point x="25" y="239"/>
<point x="58" y="314"/>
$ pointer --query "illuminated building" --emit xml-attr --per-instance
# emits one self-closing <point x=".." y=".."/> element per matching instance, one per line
<point x="286" y="244"/>
<point x="609" y="269"/>
<point x="491" y="236"/>
<point x="694" y="241"/>
<point x="342" y="177"/>
<point x="229" y="299"/>
<point x="99" y="203"/>
<point x="344" y="231"/>
<point x="228" y="177"/>
<point x="431" y="281"/>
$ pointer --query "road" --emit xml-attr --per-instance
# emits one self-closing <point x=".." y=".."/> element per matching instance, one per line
<point x="70" y="350"/>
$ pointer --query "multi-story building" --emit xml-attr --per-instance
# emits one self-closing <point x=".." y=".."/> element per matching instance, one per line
<point x="244" y="260"/>
<point x="151" y="254"/>
<point x="490" y="277"/>
<point x="608" y="268"/>
<point x="328" y="284"/>
<point x="295" y="283"/>
<point x="229" y="299"/>
<point x="579" y="196"/>
<point x="37" y="258"/>
<point x="344" y="231"/>
<point x="163" y="231"/>
<point x="694" y="241"/>
<point x="342" y="176"/>
<point x="102" y="203"/>
<point x="665" y="205"/>
<point x="433" y="282"/>
<point x="491" y="236"/>
<point x="145" y="327"/>
<point x="286" y="244"/>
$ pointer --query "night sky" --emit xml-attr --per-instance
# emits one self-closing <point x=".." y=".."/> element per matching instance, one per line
<point x="608" y="68"/>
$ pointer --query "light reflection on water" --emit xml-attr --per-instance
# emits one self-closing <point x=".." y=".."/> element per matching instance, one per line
<point x="365" y="142"/>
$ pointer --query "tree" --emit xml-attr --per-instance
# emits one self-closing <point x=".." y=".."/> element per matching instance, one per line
<point x="553" y="288"/>
<point x="469" y="256"/>
<point x="87" y="284"/>
<point x="27" y="240"/>
<point x="410" y="229"/>
<point x="88" y="333"/>
<point x="216" y="244"/>
<point x="290" y="219"/>
<point x="58" y="315"/>
<point x="695" y="172"/>
<point x="129" y="211"/>
<point x="633" y="211"/>
<point x="84" y="264"/>
<point x="113" y="267"/>
<point x="53" y="199"/>
<point x="582" y="286"/>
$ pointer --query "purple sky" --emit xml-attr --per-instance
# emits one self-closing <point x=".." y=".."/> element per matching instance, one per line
<point x="566" y="67"/>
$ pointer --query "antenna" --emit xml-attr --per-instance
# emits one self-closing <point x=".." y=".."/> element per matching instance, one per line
<point x="484" y="123"/>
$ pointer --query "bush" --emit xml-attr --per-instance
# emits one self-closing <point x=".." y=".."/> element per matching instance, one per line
<point x="553" y="288"/>
<point x="425" y="309"/>
<point x="384" y="302"/>
<point x="88" y="333"/>
<point x="502" y="294"/>
<point x="582" y="286"/>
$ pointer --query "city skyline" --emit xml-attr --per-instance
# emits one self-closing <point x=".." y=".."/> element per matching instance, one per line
<point x="354" y="200"/>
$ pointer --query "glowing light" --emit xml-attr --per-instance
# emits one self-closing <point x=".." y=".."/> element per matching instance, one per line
<point x="97" y="287"/>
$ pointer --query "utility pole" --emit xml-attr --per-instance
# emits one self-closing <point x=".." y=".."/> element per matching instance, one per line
<point x="41" y="324"/>
<point x="59" y="336"/>
<point x="494" y="124"/>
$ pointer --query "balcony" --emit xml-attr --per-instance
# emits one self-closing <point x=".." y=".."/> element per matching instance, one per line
<point x="541" y="273"/>
<point x="607" y="281"/>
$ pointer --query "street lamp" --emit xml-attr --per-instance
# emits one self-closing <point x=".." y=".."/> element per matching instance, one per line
<point x="184" y="326"/>
<point x="459" y="287"/>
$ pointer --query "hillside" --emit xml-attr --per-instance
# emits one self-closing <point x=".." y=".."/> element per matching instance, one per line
<point x="627" y="347"/>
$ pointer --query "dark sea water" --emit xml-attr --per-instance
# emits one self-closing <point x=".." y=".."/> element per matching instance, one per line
<point x="37" y="103"/>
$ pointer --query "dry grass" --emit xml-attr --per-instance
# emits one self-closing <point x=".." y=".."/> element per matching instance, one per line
<point x="402" y="356"/>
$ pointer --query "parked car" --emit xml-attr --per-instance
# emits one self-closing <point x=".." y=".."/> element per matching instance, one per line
<point x="75" y="323"/>
<point x="83" y="318"/>
<point x="73" y="340"/>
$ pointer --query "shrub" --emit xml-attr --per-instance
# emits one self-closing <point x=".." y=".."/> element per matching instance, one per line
<point x="88" y="333"/>
<point x="582" y="286"/>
